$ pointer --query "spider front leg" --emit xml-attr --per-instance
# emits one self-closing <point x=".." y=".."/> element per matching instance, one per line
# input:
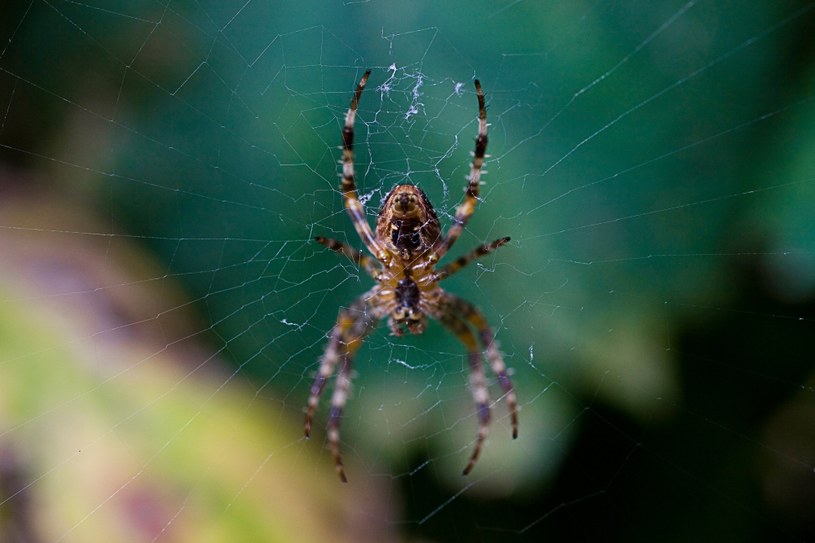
<point x="353" y="324"/>
<point x="338" y="400"/>
<point x="478" y="384"/>
<point x="454" y="312"/>
<point x="472" y="315"/>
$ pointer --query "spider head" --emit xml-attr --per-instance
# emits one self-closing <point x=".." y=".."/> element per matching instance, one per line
<point x="406" y="318"/>
<point x="407" y="314"/>
<point x="407" y="223"/>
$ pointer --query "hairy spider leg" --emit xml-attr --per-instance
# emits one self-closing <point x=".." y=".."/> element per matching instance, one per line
<point x="357" y="257"/>
<point x="484" y="249"/>
<point x="348" y="186"/>
<point x="338" y="399"/>
<point x="329" y="360"/>
<point x="478" y="385"/>
<point x="471" y="314"/>
<point x="466" y="208"/>
<point x="353" y="324"/>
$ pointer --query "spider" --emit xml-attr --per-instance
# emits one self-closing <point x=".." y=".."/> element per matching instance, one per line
<point x="406" y="245"/>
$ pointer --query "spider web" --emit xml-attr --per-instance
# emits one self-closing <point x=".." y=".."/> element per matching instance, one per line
<point x="163" y="308"/>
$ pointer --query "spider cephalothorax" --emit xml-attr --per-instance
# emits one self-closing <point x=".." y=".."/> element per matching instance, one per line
<point x="406" y="244"/>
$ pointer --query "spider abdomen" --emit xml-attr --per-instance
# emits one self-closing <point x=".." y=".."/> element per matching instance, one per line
<point x="406" y="236"/>
<point x="407" y="223"/>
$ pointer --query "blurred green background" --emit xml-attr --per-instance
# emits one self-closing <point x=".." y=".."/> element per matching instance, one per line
<point x="164" y="167"/>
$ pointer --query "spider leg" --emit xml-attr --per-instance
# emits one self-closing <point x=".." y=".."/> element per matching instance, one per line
<point x="478" y="384"/>
<point x="329" y="360"/>
<point x="349" y="187"/>
<point x="353" y="324"/>
<point x="338" y="400"/>
<point x="473" y="316"/>
<point x="466" y="208"/>
<point x="484" y="249"/>
<point x="358" y="257"/>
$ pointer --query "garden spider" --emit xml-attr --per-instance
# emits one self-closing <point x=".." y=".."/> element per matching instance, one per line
<point x="407" y="243"/>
